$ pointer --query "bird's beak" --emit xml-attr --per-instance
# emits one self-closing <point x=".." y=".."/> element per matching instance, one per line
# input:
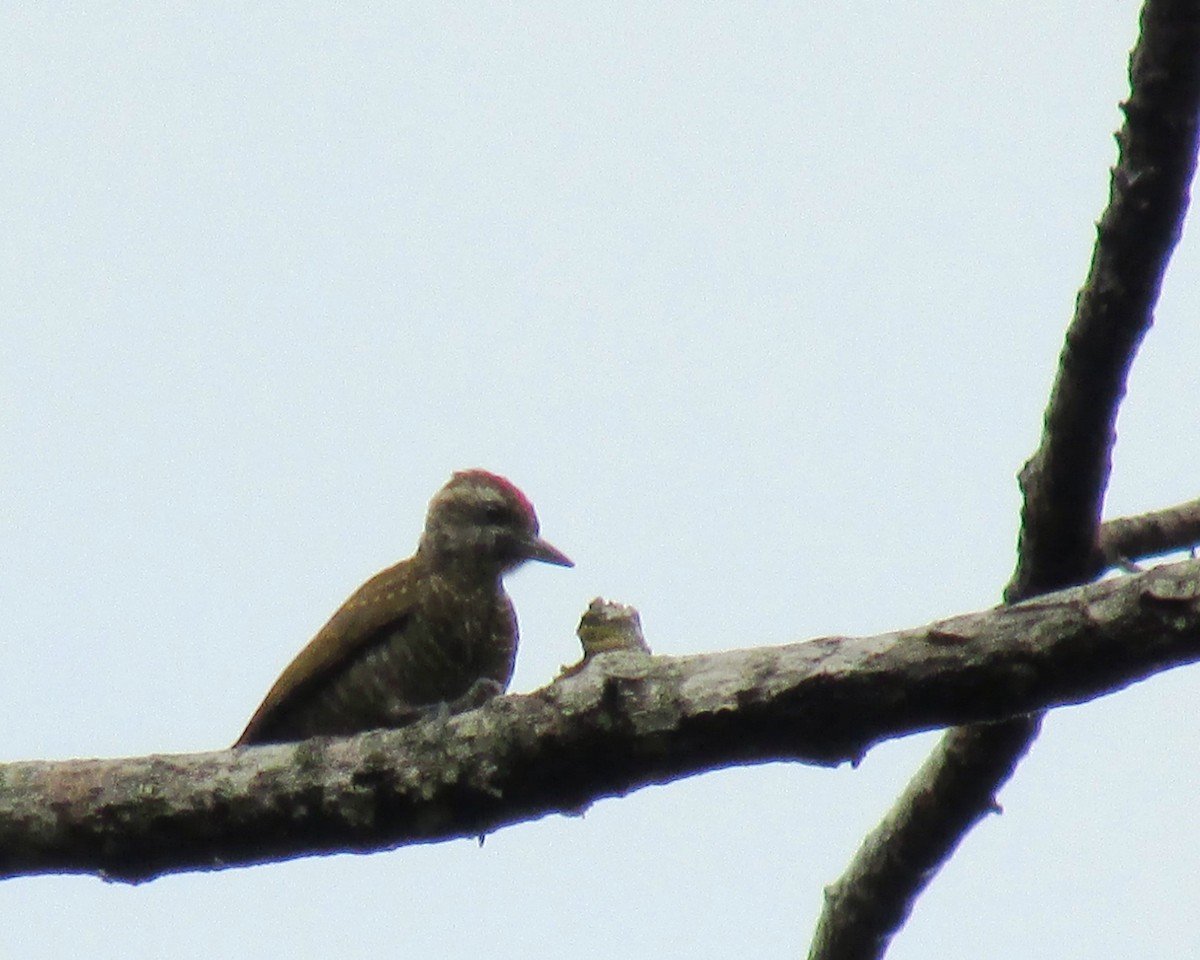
<point x="539" y="549"/>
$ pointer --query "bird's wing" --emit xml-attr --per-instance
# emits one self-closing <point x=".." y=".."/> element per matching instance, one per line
<point x="378" y="607"/>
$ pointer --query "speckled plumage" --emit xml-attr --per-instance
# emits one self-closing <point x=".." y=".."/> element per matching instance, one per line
<point x="421" y="633"/>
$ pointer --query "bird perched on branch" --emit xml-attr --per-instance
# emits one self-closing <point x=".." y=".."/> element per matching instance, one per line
<point x="435" y="631"/>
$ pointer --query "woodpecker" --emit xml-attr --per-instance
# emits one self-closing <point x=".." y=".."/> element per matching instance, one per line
<point x="436" y="630"/>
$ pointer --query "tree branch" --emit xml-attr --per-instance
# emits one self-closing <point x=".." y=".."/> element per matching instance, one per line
<point x="1128" y="539"/>
<point x="1065" y="480"/>
<point x="956" y="787"/>
<point x="949" y="794"/>
<point x="625" y="721"/>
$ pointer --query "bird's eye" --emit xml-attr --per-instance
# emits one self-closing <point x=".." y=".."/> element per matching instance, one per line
<point x="495" y="513"/>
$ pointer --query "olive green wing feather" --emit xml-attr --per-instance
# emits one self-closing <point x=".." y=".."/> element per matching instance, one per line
<point x="380" y="606"/>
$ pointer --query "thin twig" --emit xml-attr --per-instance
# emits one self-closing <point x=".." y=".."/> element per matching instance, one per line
<point x="1126" y="540"/>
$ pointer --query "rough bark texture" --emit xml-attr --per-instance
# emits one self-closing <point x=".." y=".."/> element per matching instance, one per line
<point x="625" y="721"/>
<point x="1065" y="481"/>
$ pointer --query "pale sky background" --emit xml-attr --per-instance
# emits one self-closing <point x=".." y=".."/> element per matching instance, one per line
<point x="759" y="303"/>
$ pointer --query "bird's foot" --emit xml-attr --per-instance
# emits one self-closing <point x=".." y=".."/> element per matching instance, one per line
<point x="481" y="692"/>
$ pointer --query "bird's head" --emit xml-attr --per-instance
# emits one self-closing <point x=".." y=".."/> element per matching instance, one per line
<point x="480" y="521"/>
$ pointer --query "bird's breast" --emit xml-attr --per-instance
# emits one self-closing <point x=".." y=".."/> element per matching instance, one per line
<point x="432" y="656"/>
